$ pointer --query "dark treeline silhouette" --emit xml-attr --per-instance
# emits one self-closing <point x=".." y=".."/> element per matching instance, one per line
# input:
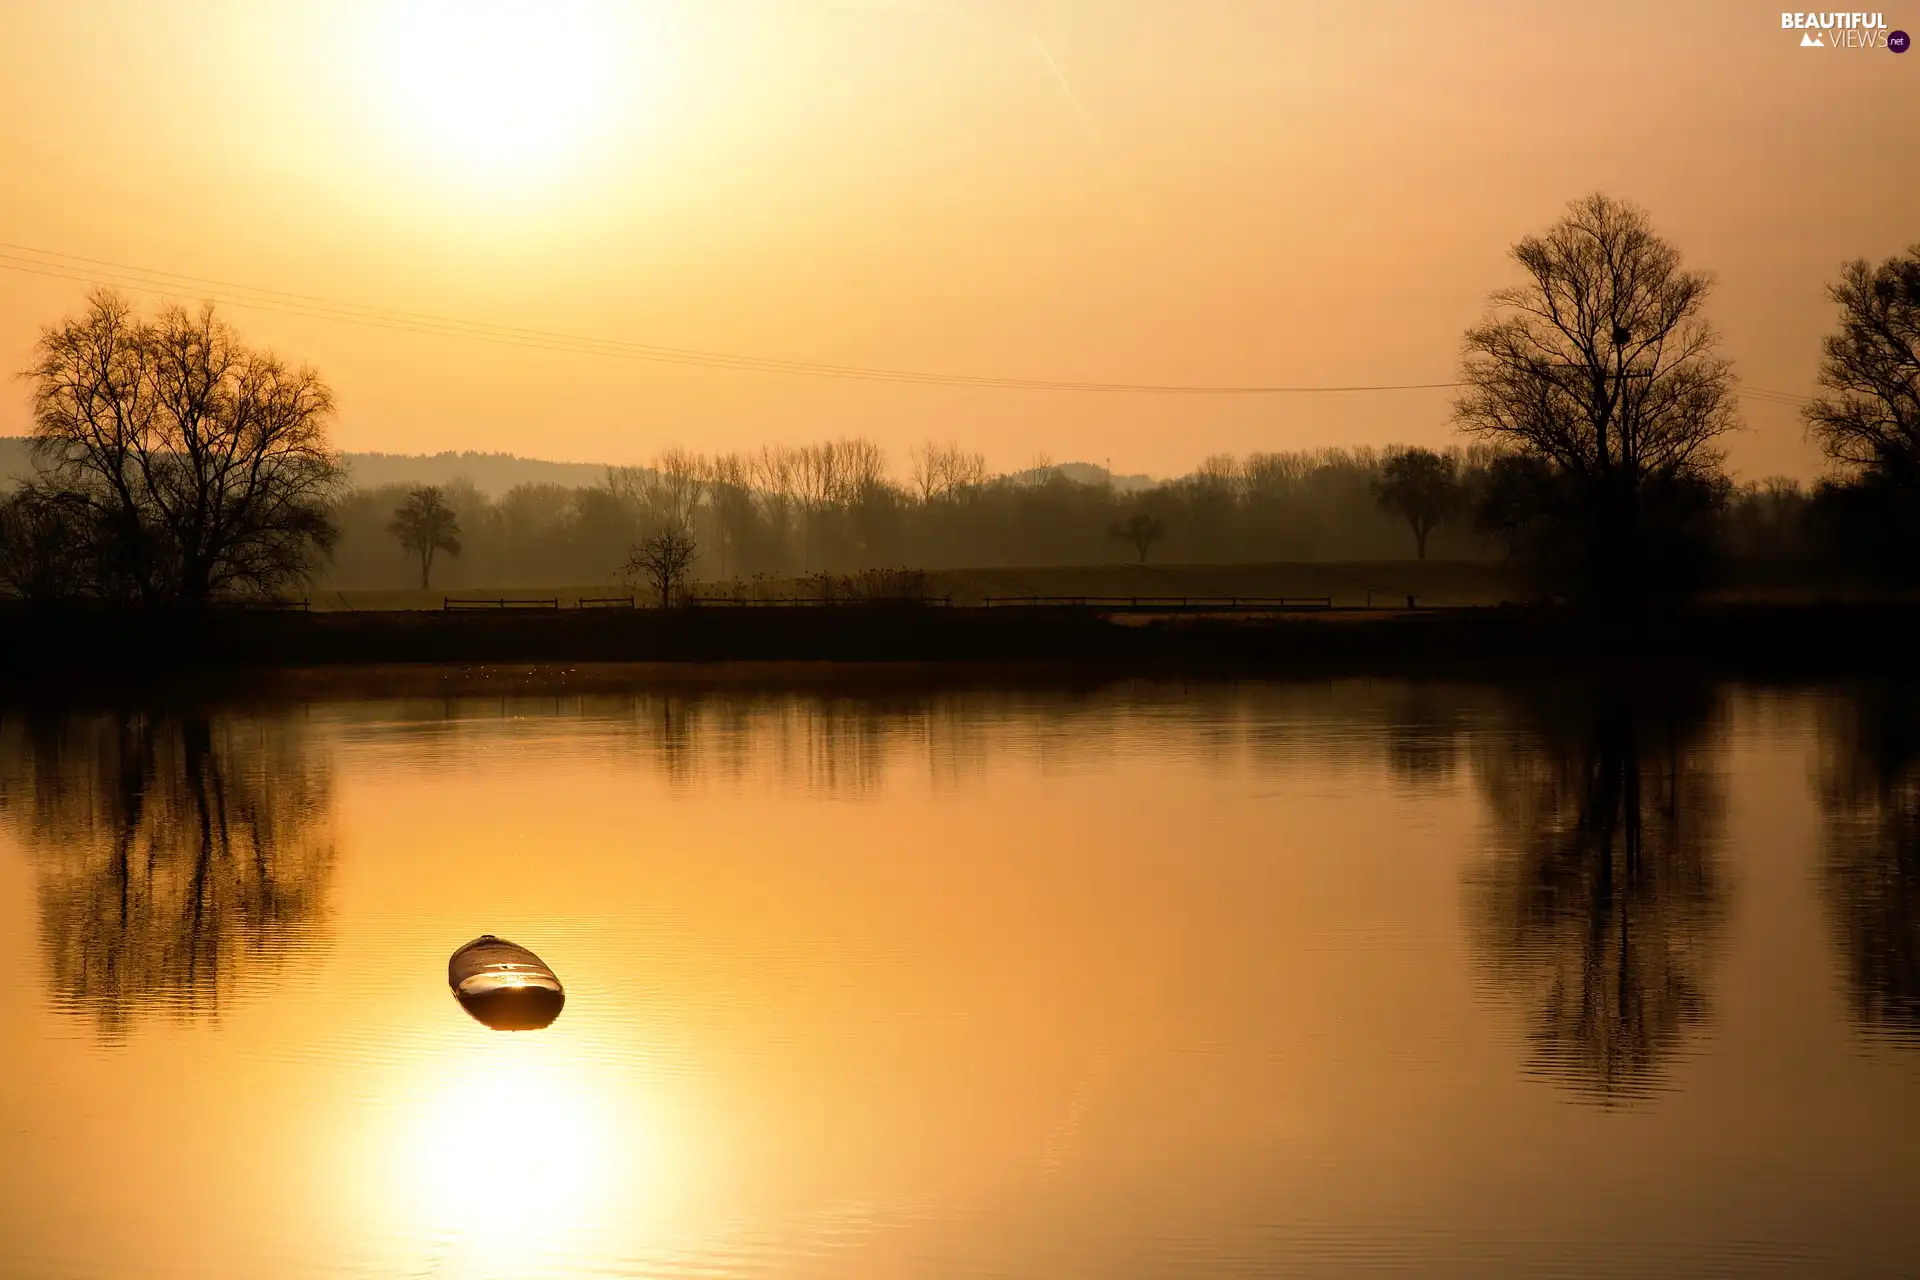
<point x="1311" y="505"/>
<point x="1601" y="902"/>
<point x="176" y="856"/>
<point x="832" y="507"/>
<point x="1869" y="787"/>
<point x="1601" y="383"/>
<point x="1596" y="391"/>
<point x="173" y="464"/>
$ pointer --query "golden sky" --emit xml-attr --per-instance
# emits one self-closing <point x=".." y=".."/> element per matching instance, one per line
<point x="1207" y="191"/>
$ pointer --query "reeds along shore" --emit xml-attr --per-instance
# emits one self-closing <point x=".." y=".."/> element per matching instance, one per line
<point x="44" y="647"/>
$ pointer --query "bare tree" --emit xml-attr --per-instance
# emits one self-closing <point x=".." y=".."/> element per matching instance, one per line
<point x="775" y="470"/>
<point x="863" y="468"/>
<point x="940" y="472"/>
<point x="966" y="471"/>
<point x="668" y="491"/>
<point x="680" y="483"/>
<point x="664" y="559"/>
<point x="821" y="485"/>
<point x="1219" y="475"/>
<point x="1423" y="488"/>
<point x="730" y="497"/>
<point x="927" y="471"/>
<point x="41" y="559"/>
<point x="1141" y="530"/>
<point x="200" y="465"/>
<point x="424" y="524"/>
<point x="1603" y="366"/>
<point x="1871" y="421"/>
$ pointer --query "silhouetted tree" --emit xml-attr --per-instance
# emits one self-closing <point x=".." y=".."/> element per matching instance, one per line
<point x="1423" y="488"/>
<point x="1870" y="421"/>
<point x="424" y="524"/>
<point x="192" y="465"/>
<point x="175" y="856"/>
<point x="664" y="558"/>
<point x="43" y="545"/>
<point x="1601" y="903"/>
<point x="1869" y="788"/>
<point x="942" y="472"/>
<point x="1602" y="367"/>
<point x="1141" y="531"/>
<point x="1513" y="499"/>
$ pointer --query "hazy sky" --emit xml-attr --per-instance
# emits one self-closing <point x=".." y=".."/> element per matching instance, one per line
<point x="1194" y="191"/>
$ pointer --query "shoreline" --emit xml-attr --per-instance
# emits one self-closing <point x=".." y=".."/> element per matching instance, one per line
<point x="59" y="652"/>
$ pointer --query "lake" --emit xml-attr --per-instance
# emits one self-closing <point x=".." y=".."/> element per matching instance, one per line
<point x="901" y="977"/>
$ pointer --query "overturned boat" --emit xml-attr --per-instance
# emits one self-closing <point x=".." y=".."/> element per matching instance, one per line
<point x="505" y="985"/>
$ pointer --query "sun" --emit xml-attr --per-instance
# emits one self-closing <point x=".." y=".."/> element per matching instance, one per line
<point x="502" y="90"/>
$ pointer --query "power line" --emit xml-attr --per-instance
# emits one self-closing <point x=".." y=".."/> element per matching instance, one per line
<point x="44" y="262"/>
<point x="30" y="260"/>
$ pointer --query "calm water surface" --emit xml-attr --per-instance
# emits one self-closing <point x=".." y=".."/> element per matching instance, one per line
<point x="1139" y="980"/>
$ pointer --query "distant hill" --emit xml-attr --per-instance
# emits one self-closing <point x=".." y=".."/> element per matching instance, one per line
<point x="14" y="463"/>
<point x="495" y="473"/>
<point x="1091" y="473"/>
<point x="491" y="473"/>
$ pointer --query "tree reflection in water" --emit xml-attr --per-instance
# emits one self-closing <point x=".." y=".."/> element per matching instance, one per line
<point x="1602" y="901"/>
<point x="1868" y="781"/>
<point x="176" y="856"/>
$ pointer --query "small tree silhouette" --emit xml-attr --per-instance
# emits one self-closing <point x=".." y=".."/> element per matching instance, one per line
<point x="663" y="560"/>
<point x="1423" y="487"/>
<point x="424" y="524"/>
<point x="1141" y="530"/>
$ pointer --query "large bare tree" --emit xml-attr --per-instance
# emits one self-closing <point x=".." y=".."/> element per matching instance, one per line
<point x="1871" y="421"/>
<point x="1602" y="361"/>
<point x="1603" y="366"/>
<point x="200" y="465"/>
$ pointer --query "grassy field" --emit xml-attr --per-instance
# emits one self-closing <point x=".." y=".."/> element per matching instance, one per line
<point x="1350" y="584"/>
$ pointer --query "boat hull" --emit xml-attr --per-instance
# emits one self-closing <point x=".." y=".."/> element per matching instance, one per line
<point x="504" y="985"/>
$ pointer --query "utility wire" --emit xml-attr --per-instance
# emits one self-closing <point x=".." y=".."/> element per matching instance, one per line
<point x="30" y="260"/>
<point x="63" y="266"/>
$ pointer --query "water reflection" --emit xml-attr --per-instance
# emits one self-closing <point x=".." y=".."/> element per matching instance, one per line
<point x="847" y="737"/>
<point x="1601" y="903"/>
<point x="506" y="1155"/>
<point x="176" y="856"/>
<point x="1868" y="781"/>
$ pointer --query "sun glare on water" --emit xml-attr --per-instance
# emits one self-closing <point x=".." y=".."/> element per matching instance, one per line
<point x="512" y="1154"/>
<point x="504" y="91"/>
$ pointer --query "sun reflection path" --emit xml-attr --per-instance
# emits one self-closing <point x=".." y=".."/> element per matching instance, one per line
<point x="512" y="1154"/>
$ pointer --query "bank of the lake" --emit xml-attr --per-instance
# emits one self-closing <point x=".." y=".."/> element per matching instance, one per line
<point x="1760" y="639"/>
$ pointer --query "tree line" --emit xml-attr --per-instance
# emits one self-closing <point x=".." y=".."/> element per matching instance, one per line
<point x="790" y="511"/>
<point x="176" y="464"/>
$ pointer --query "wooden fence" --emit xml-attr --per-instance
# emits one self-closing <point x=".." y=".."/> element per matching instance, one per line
<point x="1087" y="604"/>
<point x="452" y="604"/>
